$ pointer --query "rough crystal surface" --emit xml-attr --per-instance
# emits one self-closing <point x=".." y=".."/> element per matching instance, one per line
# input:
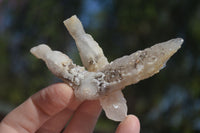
<point x="103" y="80"/>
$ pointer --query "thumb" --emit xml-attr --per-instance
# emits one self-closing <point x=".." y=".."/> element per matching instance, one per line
<point x="129" y="125"/>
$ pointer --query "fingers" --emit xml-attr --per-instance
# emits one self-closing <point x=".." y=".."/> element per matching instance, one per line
<point x="85" y="118"/>
<point x="52" y="107"/>
<point x="130" y="125"/>
<point x="58" y="122"/>
<point x="30" y="115"/>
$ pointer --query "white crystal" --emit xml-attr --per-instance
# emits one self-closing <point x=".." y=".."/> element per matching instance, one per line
<point x="114" y="106"/>
<point x="104" y="80"/>
<point x="91" y="54"/>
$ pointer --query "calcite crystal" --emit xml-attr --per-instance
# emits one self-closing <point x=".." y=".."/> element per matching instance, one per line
<point x="103" y="80"/>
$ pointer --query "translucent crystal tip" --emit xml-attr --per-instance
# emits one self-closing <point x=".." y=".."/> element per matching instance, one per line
<point x="177" y="41"/>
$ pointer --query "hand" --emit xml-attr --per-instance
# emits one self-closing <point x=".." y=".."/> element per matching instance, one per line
<point x="50" y="109"/>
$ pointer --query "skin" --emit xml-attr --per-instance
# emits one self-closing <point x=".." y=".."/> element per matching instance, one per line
<point x="50" y="109"/>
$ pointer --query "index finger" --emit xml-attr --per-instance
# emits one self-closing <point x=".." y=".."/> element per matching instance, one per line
<point x="30" y="115"/>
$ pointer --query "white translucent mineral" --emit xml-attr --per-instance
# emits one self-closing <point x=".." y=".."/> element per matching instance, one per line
<point x="103" y="80"/>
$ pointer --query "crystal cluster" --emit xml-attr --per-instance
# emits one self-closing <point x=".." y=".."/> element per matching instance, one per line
<point x="99" y="79"/>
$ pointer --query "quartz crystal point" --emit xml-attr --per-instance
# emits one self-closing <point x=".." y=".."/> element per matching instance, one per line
<point x="103" y="80"/>
<point x="139" y="65"/>
<point x="91" y="54"/>
<point x="60" y="65"/>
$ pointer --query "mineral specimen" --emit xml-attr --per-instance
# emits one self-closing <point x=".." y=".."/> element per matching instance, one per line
<point x="103" y="80"/>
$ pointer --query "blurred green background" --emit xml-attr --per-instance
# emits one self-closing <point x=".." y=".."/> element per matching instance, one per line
<point x="168" y="102"/>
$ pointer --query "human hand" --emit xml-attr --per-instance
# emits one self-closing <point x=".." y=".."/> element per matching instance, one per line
<point x="49" y="110"/>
